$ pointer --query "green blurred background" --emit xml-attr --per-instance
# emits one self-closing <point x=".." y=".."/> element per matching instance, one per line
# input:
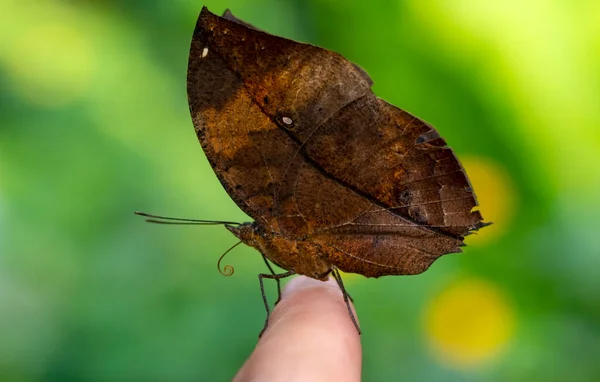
<point x="94" y="125"/>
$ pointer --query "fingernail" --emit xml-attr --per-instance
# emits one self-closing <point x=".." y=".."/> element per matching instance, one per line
<point x="302" y="282"/>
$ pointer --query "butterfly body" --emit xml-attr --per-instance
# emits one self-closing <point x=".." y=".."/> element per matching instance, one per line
<point x="299" y="256"/>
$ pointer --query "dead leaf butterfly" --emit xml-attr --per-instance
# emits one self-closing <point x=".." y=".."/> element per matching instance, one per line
<point x="335" y="178"/>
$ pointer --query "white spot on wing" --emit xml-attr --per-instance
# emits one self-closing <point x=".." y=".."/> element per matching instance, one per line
<point x="204" y="51"/>
<point x="287" y="120"/>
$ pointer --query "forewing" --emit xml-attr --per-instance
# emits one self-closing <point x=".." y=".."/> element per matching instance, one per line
<point x="245" y="88"/>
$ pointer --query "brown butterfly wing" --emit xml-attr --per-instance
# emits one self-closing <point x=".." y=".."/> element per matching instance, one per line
<point x="305" y="148"/>
<point x="397" y="161"/>
<point x="361" y="236"/>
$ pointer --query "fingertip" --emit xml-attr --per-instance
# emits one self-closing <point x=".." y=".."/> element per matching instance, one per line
<point x="307" y="301"/>
<point x="300" y="283"/>
<point x="310" y="335"/>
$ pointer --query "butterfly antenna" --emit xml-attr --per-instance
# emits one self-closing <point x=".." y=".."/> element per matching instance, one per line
<point x="168" y="220"/>
<point x="228" y="269"/>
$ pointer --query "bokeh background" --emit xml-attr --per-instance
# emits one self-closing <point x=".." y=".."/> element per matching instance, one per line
<point x="94" y="125"/>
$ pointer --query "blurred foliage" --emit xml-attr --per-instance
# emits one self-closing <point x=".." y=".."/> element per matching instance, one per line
<point x="94" y="125"/>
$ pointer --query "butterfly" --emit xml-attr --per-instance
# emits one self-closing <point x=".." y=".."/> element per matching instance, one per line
<point x="335" y="178"/>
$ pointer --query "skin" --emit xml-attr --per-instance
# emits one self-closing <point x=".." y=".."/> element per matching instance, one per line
<point x="310" y="337"/>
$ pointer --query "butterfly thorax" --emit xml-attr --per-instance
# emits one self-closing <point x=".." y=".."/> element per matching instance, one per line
<point x="301" y="256"/>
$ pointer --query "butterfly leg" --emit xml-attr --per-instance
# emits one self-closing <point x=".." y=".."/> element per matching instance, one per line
<point x="338" y="278"/>
<point x="274" y="276"/>
<point x="277" y="280"/>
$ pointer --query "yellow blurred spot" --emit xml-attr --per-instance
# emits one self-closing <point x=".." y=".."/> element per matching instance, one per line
<point x="50" y="64"/>
<point x="469" y="323"/>
<point x="495" y="194"/>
